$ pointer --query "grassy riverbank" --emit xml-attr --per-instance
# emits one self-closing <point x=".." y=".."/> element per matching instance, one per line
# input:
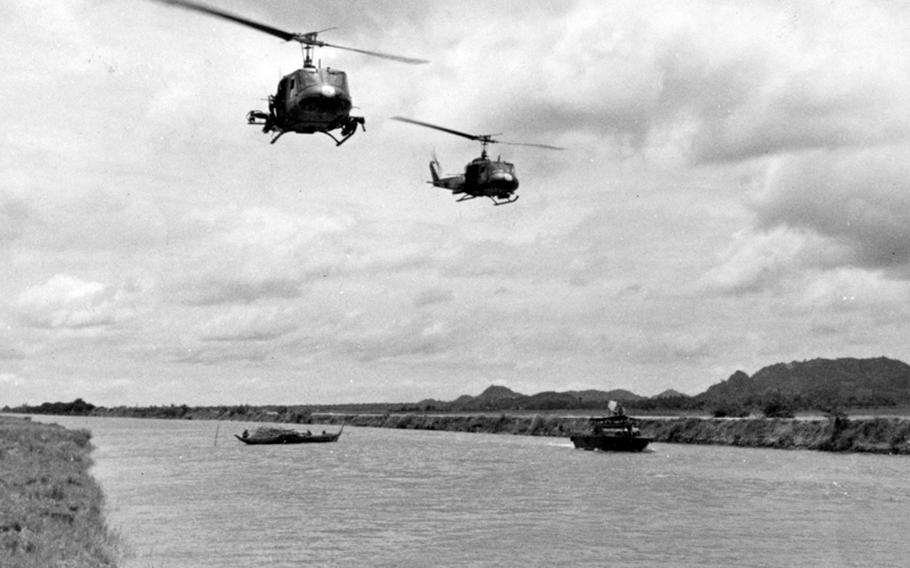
<point x="50" y="507"/>
<point x="873" y="435"/>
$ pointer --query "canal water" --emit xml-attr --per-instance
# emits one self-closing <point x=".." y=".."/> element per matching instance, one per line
<point x="187" y="494"/>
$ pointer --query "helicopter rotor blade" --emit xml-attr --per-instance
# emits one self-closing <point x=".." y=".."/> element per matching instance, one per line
<point x="285" y="35"/>
<point x="399" y="58"/>
<point x="304" y="38"/>
<point x="481" y="137"/>
<point x="547" y="146"/>
<point x="485" y="138"/>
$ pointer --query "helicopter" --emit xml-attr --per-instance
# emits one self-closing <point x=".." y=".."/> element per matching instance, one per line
<point x="482" y="177"/>
<point x="311" y="99"/>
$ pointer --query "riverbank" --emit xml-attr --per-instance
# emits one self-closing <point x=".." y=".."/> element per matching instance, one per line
<point x="872" y="435"/>
<point x="888" y="434"/>
<point x="50" y="507"/>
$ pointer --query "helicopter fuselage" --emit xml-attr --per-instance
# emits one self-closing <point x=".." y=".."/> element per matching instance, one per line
<point x="312" y="100"/>
<point x="309" y="100"/>
<point x="482" y="177"/>
<point x="490" y="177"/>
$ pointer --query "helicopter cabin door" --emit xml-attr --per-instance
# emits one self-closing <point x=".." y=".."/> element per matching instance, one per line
<point x="281" y="97"/>
<point x="475" y="173"/>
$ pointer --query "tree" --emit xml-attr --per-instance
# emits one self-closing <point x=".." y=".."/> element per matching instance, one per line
<point x="776" y="406"/>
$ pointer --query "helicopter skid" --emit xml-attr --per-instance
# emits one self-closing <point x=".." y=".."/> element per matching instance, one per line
<point x="348" y="126"/>
<point x="348" y="129"/>
<point x="503" y="201"/>
<point x="468" y="197"/>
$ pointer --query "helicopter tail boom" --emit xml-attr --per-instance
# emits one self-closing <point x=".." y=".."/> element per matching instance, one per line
<point x="455" y="184"/>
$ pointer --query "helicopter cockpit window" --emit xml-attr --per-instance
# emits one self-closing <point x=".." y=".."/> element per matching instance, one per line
<point x="293" y="83"/>
<point x="337" y="79"/>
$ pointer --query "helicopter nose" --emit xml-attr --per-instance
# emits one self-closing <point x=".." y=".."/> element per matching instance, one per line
<point x="505" y="179"/>
<point x="328" y="91"/>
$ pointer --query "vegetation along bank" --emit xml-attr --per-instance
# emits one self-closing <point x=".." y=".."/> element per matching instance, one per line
<point x="50" y="507"/>
<point x="838" y="434"/>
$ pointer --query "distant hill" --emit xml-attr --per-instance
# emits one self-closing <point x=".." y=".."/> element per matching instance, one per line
<point x="818" y="382"/>
<point x="500" y="398"/>
<point x="670" y="393"/>
<point x="496" y="392"/>
<point x="814" y="384"/>
<point x="604" y="396"/>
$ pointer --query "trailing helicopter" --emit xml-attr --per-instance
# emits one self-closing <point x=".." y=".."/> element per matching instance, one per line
<point x="311" y="99"/>
<point x="482" y="177"/>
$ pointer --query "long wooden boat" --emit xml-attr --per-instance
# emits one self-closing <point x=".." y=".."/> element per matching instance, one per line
<point x="285" y="436"/>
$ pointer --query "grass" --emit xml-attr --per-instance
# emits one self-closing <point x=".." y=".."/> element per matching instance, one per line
<point x="50" y="507"/>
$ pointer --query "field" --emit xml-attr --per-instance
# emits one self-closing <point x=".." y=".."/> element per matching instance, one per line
<point x="50" y="507"/>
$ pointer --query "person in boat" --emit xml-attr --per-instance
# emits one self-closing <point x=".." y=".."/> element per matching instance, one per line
<point x="246" y="434"/>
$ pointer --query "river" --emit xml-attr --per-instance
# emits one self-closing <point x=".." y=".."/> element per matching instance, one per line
<point x="187" y="494"/>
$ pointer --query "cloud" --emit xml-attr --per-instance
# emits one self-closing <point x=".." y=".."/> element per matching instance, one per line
<point x="243" y="255"/>
<point x="416" y="338"/>
<point x="721" y="82"/>
<point x="67" y="302"/>
<point x="10" y="379"/>
<point x="14" y="214"/>
<point x="859" y="200"/>
<point x="214" y="291"/>
<point x="11" y="353"/>
<point x="246" y="323"/>
<point x="823" y="211"/>
<point x="855" y="290"/>
<point x="433" y="296"/>
<point x="755" y="261"/>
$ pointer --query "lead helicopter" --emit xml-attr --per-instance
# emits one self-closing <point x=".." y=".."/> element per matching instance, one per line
<point x="311" y="99"/>
<point x="482" y="177"/>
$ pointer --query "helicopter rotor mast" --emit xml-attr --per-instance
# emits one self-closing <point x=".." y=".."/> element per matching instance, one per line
<point x="307" y="40"/>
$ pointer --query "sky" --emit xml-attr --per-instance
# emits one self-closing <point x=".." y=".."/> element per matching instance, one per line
<point x="734" y="193"/>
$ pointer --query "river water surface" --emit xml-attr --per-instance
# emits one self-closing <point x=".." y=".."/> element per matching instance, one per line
<point x="187" y="494"/>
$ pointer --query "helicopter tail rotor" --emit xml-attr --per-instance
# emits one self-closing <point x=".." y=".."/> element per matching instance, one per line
<point x="434" y="168"/>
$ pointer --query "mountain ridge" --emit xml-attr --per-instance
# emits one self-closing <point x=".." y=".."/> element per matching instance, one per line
<point x="814" y="383"/>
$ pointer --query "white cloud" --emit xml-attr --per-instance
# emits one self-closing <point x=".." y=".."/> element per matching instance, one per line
<point x="859" y="199"/>
<point x="850" y="289"/>
<point x="11" y="379"/>
<point x="248" y="323"/>
<point x="67" y="302"/>
<point x="755" y="261"/>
